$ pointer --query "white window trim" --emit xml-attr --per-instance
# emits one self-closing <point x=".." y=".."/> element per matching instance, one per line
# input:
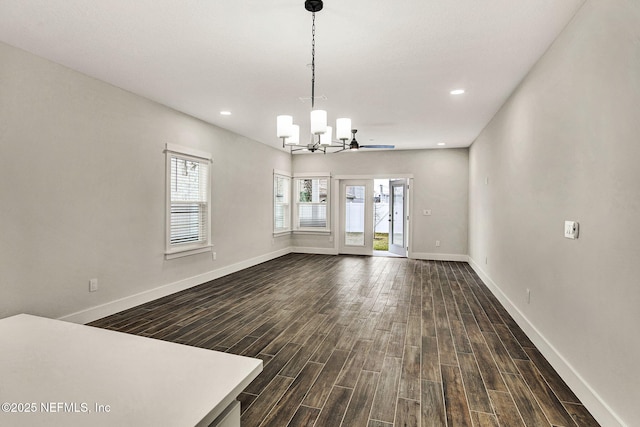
<point x="319" y="175"/>
<point x="185" y="250"/>
<point x="283" y="231"/>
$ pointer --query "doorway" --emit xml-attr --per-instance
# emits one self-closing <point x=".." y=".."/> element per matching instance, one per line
<point x="373" y="217"/>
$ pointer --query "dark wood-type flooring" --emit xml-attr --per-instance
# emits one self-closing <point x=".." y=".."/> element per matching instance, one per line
<point x="366" y="341"/>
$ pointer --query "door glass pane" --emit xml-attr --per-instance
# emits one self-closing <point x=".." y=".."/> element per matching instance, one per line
<point x="354" y="215"/>
<point x="398" y="216"/>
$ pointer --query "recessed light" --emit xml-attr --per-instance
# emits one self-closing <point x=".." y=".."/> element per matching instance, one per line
<point x="457" y="92"/>
<point x="225" y="113"/>
<point x="441" y="143"/>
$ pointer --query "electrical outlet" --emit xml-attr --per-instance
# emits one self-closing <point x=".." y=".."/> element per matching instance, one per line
<point x="437" y="243"/>
<point x="215" y="255"/>
<point x="93" y="285"/>
<point x="571" y="229"/>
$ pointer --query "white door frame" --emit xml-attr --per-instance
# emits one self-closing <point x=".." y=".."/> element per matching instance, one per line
<point x="335" y="192"/>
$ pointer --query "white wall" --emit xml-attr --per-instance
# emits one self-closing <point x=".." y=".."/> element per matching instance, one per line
<point x="566" y="146"/>
<point x="82" y="193"/>
<point x="440" y="184"/>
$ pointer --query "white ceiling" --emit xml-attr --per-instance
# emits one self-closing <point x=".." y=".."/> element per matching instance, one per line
<point x="389" y="65"/>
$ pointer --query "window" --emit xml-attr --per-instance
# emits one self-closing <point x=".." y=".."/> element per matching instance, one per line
<point x="281" y="202"/>
<point x="312" y="200"/>
<point x="188" y="201"/>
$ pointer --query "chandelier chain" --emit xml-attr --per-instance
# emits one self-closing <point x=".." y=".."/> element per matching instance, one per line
<point x="313" y="59"/>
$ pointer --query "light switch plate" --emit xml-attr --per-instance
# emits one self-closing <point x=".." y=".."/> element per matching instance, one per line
<point x="571" y="229"/>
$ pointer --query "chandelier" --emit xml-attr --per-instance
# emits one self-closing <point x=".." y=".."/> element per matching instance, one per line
<point x="321" y="134"/>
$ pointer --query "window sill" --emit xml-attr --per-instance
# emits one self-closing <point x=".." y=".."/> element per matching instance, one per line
<point x="281" y="233"/>
<point x="317" y="232"/>
<point x="187" y="252"/>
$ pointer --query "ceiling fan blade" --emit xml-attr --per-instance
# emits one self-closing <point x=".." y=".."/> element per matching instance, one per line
<point x="377" y="146"/>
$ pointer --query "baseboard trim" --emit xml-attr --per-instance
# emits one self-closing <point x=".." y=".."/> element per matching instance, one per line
<point x="317" y="251"/>
<point x="587" y="395"/>
<point x="439" y="257"/>
<point x="107" y="309"/>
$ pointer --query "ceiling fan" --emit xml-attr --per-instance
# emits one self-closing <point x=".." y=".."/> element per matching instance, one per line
<point x="354" y="145"/>
<point x="341" y="145"/>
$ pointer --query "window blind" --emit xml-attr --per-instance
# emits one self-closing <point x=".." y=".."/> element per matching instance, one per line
<point x="281" y="212"/>
<point x="312" y="196"/>
<point x="189" y="201"/>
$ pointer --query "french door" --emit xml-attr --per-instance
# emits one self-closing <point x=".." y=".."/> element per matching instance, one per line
<point x="356" y="217"/>
<point x="398" y="213"/>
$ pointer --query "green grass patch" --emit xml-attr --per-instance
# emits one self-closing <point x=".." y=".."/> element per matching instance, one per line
<point x="381" y="242"/>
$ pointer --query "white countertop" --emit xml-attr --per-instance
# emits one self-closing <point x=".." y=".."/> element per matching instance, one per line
<point x="71" y="368"/>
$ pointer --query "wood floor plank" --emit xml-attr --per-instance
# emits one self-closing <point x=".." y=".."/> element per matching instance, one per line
<point x="428" y="323"/>
<point x="432" y="405"/>
<point x="384" y="406"/>
<point x="325" y="349"/>
<point x="556" y="383"/>
<point x="255" y="413"/>
<point x="488" y="368"/>
<point x="297" y="362"/>
<point x="407" y="413"/>
<point x="349" y="374"/>
<point x="551" y="406"/>
<point x="395" y="324"/>
<point x="500" y="354"/>
<point x="506" y="410"/>
<point x="375" y="358"/>
<point x="460" y="338"/>
<point x="246" y="400"/>
<point x="333" y="411"/>
<point x="581" y="415"/>
<point x="320" y="390"/>
<point x="456" y="405"/>
<point x="304" y="417"/>
<point x="351" y="334"/>
<point x="414" y="331"/>
<point x="361" y="400"/>
<point x="527" y="405"/>
<point x="267" y="337"/>
<point x="477" y="395"/>
<point x="396" y="340"/>
<point x="446" y="348"/>
<point x="430" y="368"/>
<point x="369" y="329"/>
<point x="513" y="347"/>
<point x="480" y="419"/>
<point x="287" y="406"/>
<point x="272" y="368"/>
<point x="410" y="374"/>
